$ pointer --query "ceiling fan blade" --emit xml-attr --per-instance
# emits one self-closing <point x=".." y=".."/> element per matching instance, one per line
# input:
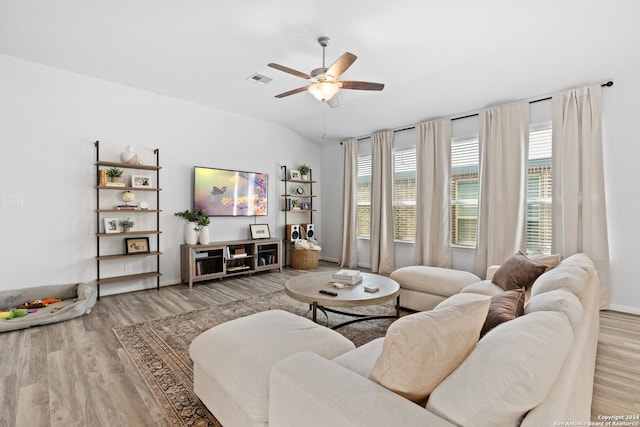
<point x="292" y="92"/>
<point x="334" y="102"/>
<point x="341" y="65"/>
<point x="290" y="71"/>
<point x="361" y="85"/>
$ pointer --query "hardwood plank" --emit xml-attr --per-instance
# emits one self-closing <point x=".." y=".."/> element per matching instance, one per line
<point x="8" y="400"/>
<point x="32" y="405"/>
<point x="616" y="389"/>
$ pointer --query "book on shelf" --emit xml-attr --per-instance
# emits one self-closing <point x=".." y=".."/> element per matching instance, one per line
<point x="127" y="207"/>
<point x="102" y="177"/>
<point x="201" y="255"/>
<point x="114" y="184"/>
<point x="349" y="277"/>
<point x="233" y="256"/>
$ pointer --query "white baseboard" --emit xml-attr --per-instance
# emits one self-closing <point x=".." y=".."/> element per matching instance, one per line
<point x="624" y="309"/>
<point x="334" y="260"/>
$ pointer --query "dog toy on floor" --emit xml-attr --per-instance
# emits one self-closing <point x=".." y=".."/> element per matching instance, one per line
<point x="40" y="303"/>
<point x="6" y="315"/>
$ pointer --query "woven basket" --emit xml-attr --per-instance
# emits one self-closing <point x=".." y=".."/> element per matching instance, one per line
<point x="303" y="259"/>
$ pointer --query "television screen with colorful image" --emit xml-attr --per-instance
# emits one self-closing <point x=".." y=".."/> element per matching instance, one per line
<point x="224" y="192"/>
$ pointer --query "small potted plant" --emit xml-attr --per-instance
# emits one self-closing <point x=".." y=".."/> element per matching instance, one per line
<point x="114" y="174"/>
<point x="191" y="215"/>
<point x="203" y="228"/>
<point x="196" y="219"/>
<point x="126" y="225"/>
<point x="295" y="204"/>
<point x="304" y="171"/>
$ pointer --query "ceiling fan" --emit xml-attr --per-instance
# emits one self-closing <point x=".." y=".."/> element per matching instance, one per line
<point x="324" y="81"/>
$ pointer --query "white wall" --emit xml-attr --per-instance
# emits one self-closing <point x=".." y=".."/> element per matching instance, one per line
<point x="621" y="152"/>
<point x="49" y="121"/>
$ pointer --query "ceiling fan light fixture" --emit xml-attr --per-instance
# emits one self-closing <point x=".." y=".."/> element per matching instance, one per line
<point x="323" y="91"/>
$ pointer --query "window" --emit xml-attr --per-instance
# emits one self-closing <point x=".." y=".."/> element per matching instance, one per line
<point x="363" y="203"/>
<point x="465" y="187"/>
<point x="465" y="159"/>
<point x="539" y="186"/>
<point x="404" y="195"/>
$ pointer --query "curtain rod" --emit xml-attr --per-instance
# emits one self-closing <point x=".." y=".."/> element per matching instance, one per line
<point x="545" y="98"/>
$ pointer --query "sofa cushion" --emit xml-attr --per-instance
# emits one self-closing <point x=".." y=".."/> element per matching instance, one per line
<point x="462" y="298"/>
<point x="569" y="277"/>
<point x="435" y="280"/>
<point x="582" y="261"/>
<point x="504" y="307"/>
<point x="560" y="300"/>
<point x="362" y="359"/>
<point x="517" y="272"/>
<point x="510" y="372"/>
<point x="421" y="349"/>
<point x="484" y="287"/>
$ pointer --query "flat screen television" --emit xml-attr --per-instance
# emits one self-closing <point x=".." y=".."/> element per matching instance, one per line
<point x="224" y="192"/>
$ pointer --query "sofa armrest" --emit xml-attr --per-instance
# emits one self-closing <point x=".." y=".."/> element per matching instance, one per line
<point x="306" y="389"/>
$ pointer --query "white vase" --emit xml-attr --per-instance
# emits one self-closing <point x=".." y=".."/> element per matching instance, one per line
<point x="203" y="237"/>
<point x="190" y="234"/>
<point x="129" y="156"/>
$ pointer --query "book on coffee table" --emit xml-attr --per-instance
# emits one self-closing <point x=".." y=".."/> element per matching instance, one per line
<point x="348" y="277"/>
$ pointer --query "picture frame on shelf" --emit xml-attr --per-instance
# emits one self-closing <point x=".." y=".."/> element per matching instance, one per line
<point x="136" y="245"/>
<point x="259" y="231"/>
<point x="110" y="225"/>
<point x="295" y="174"/>
<point x="140" y="181"/>
<point x="305" y="206"/>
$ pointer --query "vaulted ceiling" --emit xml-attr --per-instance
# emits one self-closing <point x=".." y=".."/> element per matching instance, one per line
<point x="436" y="58"/>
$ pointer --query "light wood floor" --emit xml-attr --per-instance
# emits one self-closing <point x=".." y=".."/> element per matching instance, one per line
<point x="75" y="373"/>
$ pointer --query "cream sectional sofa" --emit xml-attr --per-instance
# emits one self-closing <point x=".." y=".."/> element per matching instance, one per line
<point x="534" y="370"/>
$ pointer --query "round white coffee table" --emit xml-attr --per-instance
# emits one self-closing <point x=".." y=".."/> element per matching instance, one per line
<point x="306" y="288"/>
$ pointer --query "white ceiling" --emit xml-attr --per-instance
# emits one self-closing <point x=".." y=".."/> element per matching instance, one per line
<point x="437" y="58"/>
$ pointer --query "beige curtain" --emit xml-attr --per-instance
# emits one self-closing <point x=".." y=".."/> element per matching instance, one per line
<point x="433" y="216"/>
<point x="579" y="213"/>
<point x="504" y="144"/>
<point x="349" y="257"/>
<point x="382" y="243"/>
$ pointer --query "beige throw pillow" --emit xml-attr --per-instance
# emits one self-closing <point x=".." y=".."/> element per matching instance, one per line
<point x="422" y="349"/>
<point x="550" y="261"/>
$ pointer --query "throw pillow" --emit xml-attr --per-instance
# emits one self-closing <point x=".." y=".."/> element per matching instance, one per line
<point x="549" y="260"/>
<point x="504" y="307"/>
<point x="422" y="349"/>
<point x="518" y="272"/>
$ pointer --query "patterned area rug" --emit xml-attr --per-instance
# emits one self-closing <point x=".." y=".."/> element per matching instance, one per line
<point x="160" y="348"/>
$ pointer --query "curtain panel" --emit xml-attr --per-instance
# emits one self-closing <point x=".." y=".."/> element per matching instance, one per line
<point x="382" y="237"/>
<point x="433" y="187"/>
<point x="579" y="207"/>
<point x="349" y="257"/>
<point x="502" y="211"/>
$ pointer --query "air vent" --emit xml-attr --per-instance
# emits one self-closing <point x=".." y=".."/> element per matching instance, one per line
<point x="259" y="78"/>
